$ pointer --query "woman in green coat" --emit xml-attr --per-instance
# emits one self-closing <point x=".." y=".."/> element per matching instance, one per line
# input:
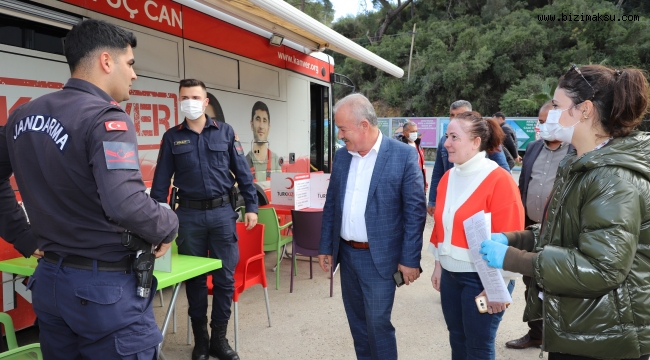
<point x="590" y="260"/>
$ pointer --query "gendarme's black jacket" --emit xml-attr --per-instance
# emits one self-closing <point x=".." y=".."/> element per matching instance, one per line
<point x="74" y="156"/>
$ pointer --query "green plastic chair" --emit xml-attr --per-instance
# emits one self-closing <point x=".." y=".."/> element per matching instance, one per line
<point x="273" y="239"/>
<point x="31" y="351"/>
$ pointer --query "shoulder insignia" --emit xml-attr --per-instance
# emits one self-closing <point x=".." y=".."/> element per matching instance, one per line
<point x="121" y="155"/>
<point x="115" y="125"/>
<point x="181" y="142"/>
<point x="239" y="148"/>
<point x="43" y="124"/>
<point x="236" y="136"/>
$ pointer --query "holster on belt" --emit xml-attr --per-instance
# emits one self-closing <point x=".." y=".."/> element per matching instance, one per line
<point x="143" y="263"/>
<point x="233" y="194"/>
<point x="173" y="199"/>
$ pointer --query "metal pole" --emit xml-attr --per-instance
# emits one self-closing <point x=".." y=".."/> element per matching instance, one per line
<point x="408" y="79"/>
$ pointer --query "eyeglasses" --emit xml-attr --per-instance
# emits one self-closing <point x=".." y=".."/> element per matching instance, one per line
<point x="575" y="67"/>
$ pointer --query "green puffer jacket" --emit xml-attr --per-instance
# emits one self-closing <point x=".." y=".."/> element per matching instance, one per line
<point x="593" y="265"/>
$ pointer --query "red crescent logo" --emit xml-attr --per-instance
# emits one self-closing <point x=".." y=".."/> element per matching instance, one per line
<point x="291" y="180"/>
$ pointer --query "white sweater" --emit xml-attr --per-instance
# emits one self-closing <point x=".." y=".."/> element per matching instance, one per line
<point x="463" y="181"/>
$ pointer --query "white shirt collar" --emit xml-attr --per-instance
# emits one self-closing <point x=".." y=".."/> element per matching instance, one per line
<point x="374" y="147"/>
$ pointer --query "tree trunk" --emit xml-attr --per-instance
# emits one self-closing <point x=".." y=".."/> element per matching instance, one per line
<point x="302" y="6"/>
<point x="620" y="3"/>
<point x="391" y="15"/>
<point x="368" y="36"/>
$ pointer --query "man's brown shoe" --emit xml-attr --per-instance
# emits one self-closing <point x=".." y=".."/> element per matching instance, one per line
<point x="523" y="343"/>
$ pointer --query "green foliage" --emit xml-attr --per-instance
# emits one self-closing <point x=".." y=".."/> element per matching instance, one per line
<point x="495" y="53"/>
<point x="321" y="10"/>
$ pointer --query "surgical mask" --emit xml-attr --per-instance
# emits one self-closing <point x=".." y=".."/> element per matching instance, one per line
<point x="192" y="109"/>
<point x="545" y="134"/>
<point x="556" y="130"/>
<point x="413" y="136"/>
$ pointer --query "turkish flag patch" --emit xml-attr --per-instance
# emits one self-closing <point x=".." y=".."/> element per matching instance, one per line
<point x="115" y="125"/>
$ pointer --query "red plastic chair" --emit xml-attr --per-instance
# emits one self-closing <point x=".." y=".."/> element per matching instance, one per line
<point x="250" y="271"/>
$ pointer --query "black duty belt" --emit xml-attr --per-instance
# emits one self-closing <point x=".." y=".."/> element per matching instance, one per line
<point x="80" y="262"/>
<point x="204" y="204"/>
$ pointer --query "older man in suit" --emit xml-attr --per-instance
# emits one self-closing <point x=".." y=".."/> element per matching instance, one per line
<point x="373" y="221"/>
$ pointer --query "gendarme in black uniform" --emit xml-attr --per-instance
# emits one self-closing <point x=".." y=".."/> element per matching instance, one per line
<point x="75" y="158"/>
<point x="201" y="165"/>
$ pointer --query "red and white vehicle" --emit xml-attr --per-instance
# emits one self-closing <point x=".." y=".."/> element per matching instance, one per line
<point x="224" y="43"/>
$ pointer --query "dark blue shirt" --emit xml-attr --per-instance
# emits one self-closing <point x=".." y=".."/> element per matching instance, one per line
<point x="202" y="164"/>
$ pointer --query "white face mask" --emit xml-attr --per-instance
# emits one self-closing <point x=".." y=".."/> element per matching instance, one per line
<point x="555" y="130"/>
<point x="413" y="136"/>
<point x="192" y="109"/>
<point x="545" y="134"/>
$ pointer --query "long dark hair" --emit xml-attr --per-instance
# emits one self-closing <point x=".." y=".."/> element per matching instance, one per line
<point x="620" y="97"/>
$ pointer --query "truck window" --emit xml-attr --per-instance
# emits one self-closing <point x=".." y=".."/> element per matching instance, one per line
<point x="31" y="35"/>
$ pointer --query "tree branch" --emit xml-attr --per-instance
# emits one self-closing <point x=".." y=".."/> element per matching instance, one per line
<point x="391" y="15"/>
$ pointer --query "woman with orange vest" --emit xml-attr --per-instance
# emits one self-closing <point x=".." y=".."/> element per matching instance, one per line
<point x="474" y="184"/>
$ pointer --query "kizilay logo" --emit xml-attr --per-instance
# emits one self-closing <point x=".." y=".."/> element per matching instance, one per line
<point x="287" y="193"/>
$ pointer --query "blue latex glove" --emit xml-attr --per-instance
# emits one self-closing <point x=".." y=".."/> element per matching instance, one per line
<point x="500" y="238"/>
<point x="494" y="253"/>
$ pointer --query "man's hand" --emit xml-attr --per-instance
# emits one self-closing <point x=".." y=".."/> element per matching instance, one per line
<point x="435" y="277"/>
<point x="325" y="261"/>
<point x="494" y="307"/>
<point x="162" y="249"/>
<point x="431" y="210"/>
<point x="409" y="274"/>
<point x="250" y="219"/>
<point x="518" y="159"/>
<point x="38" y="254"/>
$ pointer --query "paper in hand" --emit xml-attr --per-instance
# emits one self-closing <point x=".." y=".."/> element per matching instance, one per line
<point x="476" y="230"/>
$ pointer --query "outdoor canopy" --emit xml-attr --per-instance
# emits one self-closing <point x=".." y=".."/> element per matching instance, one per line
<point x="279" y="17"/>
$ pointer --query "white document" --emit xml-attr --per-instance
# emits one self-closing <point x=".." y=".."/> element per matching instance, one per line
<point x="477" y="230"/>
<point x="301" y="191"/>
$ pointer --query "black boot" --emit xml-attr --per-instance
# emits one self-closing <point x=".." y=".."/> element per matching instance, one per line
<point x="201" y="349"/>
<point x="219" y="346"/>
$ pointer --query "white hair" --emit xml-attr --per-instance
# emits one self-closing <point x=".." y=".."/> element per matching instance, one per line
<point x="459" y="104"/>
<point x="360" y="107"/>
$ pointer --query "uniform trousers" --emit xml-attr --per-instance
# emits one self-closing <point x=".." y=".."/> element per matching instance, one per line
<point x="210" y="233"/>
<point x="368" y="300"/>
<point x="91" y="314"/>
